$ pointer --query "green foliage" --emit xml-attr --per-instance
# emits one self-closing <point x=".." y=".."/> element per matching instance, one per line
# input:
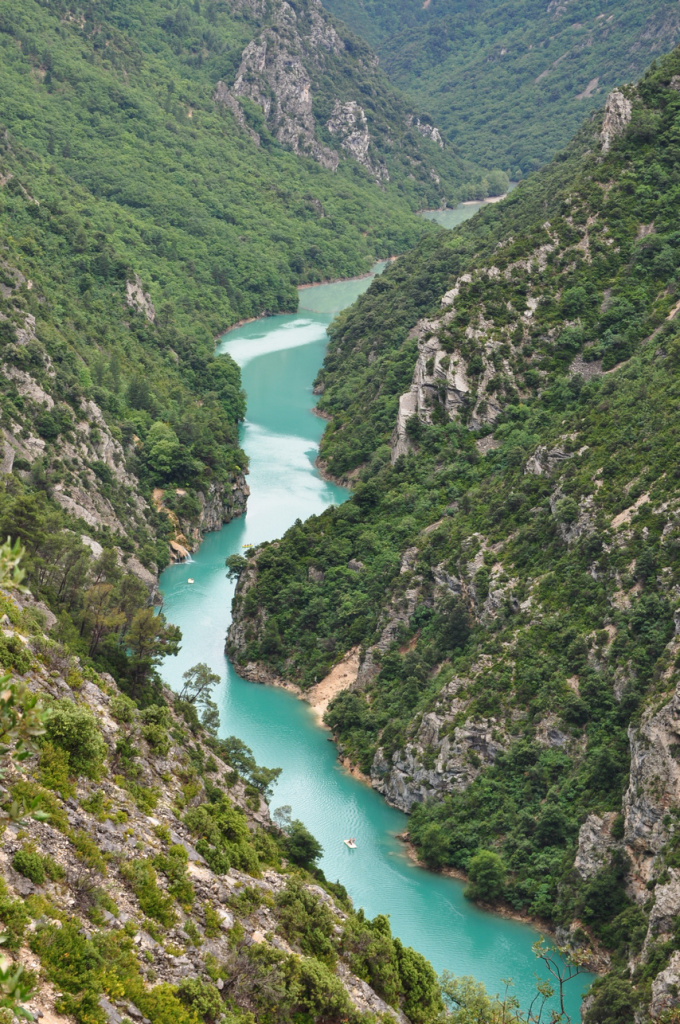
<point x="74" y="729"/>
<point x="223" y="836"/>
<point x="486" y="872"/>
<point x="14" y="917"/>
<point x="173" y="864"/>
<point x="202" y="998"/>
<point x="55" y="769"/>
<point x="199" y="683"/>
<point x="240" y="757"/>
<point x="306" y="922"/>
<point x="28" y="862"/>
<point x="141" y="876"/>
<point x="301" y="846"/>
<point x="421" y="999"/>
<point x="373" y="955"/>
<point x="509" y="85"/>
<point x="13" y="654"/>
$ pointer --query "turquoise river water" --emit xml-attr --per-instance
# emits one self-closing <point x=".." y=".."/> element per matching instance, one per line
<point x="279" y="357"/>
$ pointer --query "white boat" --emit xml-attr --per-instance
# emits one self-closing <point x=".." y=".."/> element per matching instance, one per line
<point x="190" y="580"/>
<point x="350" y="842"/>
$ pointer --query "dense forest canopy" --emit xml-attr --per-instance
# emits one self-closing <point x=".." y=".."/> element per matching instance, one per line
<point x="509" y="81"/>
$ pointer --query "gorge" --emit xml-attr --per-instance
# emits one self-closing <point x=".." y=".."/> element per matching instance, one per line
<point x="279" y="357"/>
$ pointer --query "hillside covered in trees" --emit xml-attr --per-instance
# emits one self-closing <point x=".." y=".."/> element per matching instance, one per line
<point x="510" y="82"/>
<point x="504" y="402"/>
<point x="151" y="196"/>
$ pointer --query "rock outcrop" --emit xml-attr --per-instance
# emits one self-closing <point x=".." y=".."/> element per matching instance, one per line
<point x="653" y="790"/>
<point x="273" y="74"/>
<point x="440" y="759"/>
<point x="617" y="114"/>
<point x="349" y="123"/>
<point x="138" y="299"/>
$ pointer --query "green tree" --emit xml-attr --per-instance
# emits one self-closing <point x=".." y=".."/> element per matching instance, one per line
<point x="199" y="682"/>
<point x="301" y="846"/>
<point x="149" y="639"/>
<point x="486" y="874"/>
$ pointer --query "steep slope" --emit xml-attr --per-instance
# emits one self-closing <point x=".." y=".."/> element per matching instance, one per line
<point x="505" y="401"/>
<point x="245" y="141"/>
<point x="153" y="885"/>
<point x="509" y="83"/>
<point x="165" y="171"/>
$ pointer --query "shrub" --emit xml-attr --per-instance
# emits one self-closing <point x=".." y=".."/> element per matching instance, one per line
<point x="201" y="997"/>
<point x="29" y="863"/>
<point x="53" y="770"/>
<point x="173" y="864"/>
<point x="307" y="922"/>
<point x="486" y="872"/>
<point x="123" y="708"/>
<point x="74" y="728"/>
<point x="13" y="654"/>
<point x="141" y="876"/>
<point x="14" y="917"/>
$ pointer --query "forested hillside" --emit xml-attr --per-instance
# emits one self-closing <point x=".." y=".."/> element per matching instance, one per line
<point x="510" y="82"/>
<point x="151" y="196"/>
<point x="142" y="877"/>
<point x="505" y="401"/>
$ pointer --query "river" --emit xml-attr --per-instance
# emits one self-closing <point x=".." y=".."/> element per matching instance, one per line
<point x="279" y="357"/>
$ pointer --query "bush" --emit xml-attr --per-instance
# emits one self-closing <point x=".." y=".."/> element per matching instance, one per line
<point x="201" y="997"/>
<point x="13" y="654"/>
<point x="29" y="863"/>
<point x="141" y="876"/>
<point x="301" y="846"/>
<point x="53" y="770"/>
<point x="486" y="874"/>
<point x="74" y="728"/>
<point x="14" y="917"/>
<point x="306" y="922"/>
<point x="123" y="708"/>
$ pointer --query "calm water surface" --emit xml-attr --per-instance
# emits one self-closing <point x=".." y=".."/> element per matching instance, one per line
<point x="279" y="357"/>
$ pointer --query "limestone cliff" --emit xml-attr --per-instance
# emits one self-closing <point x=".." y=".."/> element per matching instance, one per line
<point x="310" y="78"/>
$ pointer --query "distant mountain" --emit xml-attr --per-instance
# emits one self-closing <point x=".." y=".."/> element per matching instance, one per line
<point x="509" y="81"/>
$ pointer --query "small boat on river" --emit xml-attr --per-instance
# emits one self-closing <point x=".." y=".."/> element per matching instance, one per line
<point x="190" y="580"/>
<point x="351" y="843"/>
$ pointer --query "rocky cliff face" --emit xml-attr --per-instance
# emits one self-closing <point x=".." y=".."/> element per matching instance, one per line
<point x="287" y="68"/>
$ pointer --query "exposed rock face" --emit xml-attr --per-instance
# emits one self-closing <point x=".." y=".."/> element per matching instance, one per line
<point x="653" y="789"/>
<point x="456" y="758"/>
<point x="348" y="121"/>
<point x="227" y="99"/>
<point x="445" y="379"/>
<point x="427" y="130"/>
<point x="137" y="298"/>
<point x="545" y="461"/>
<point x="665" y="988"/>
<point x="273" y="74"/>
<point x="617" y="114"/>
<point x="595" y="844"/>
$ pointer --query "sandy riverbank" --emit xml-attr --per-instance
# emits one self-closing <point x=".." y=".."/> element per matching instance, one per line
<point x="339" y="679"/>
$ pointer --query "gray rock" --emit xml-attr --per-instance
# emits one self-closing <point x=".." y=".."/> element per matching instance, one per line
<point x="617" y="114"/>
<point x="112" y="1014"/>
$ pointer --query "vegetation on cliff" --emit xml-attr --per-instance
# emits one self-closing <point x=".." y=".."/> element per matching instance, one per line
<point x="509" y="84"/>
<point x="141" y="875"/>
<point x="509" y="559"/>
